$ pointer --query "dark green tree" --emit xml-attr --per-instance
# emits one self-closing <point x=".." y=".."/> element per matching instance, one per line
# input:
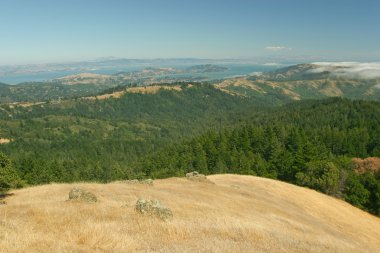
<point x="9" y="177"/>
<point x="320" y="175"/>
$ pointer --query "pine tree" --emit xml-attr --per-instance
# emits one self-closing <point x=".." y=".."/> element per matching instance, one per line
<point x="9" y="177"/>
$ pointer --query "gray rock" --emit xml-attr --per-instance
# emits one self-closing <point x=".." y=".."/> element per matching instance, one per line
<point x="82" y="195"/>
<point x="192" y="174"/>
<point x="153" y="208"/>
<point x="147" y="181"/>
<point x="195" y="176"/>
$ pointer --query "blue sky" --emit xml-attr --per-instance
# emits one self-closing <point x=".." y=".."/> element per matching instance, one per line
<point x="41" y="31"/>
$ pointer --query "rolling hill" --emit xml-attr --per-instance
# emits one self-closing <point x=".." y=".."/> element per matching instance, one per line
<point x="292" y="83"/>
<point x="85" y="84"/>
<point x="303" y="81"/>
<point x="297" y="82"/>
<point x="234" y="214"/>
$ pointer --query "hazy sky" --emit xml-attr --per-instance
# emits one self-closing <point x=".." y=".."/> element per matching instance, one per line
<point x="37" y="31"/>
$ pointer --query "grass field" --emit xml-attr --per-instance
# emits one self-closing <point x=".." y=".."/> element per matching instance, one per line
<point x="235" y="214"/>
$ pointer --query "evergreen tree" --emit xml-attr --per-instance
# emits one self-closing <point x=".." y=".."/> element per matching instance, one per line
<point x="9" y="177"/>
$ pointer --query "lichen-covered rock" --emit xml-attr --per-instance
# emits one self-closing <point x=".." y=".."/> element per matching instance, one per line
<point x="153" y="208"/>
<point x="82" y="195"/>
<point x="147" y="181"/>
<point x="195" y="176"/>
<point x="192" y="174"/>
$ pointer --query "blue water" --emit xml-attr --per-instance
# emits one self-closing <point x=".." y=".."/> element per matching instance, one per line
<point x="43" y="76"/>
<point x="233" y="70"/>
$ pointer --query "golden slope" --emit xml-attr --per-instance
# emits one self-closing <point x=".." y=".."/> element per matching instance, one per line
<point x="143" y="90"/>
<point x="238" y="82"/>
<point x="236" y="214"/>
<point x="153" y="89"/>
<point x="326" y="87"/>
<point x="85" y="78"/>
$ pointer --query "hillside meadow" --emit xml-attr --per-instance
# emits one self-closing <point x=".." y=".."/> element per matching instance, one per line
<point x="231" y="214"/>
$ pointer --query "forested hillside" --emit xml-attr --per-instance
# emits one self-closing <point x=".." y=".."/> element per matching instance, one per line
<point x="153" y="134"/>
<point x="47" y="91"/>
<point x="100" y="139"/>
<point x="310" y="143"/>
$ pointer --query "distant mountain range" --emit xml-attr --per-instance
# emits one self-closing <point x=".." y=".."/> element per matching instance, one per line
<point x="85" y="84"/>
<point x="105" y="64"/>
<point x="303" y="81"/>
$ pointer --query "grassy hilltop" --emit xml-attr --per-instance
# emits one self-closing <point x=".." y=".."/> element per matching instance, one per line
<point x="235" y="214"/>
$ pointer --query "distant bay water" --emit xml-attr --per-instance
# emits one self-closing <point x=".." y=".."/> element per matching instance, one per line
<point x="232" y="71"/>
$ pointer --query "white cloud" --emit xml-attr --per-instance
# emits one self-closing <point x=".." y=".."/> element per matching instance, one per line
<point x="349" y="69"/>
<point x="274" y="64"/>
<point x="277" y="48"/>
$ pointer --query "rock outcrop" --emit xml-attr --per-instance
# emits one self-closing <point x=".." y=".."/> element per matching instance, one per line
<point x="82" y="195"/>
<point x="153" y="208"/>
<point x="195" y="176"/>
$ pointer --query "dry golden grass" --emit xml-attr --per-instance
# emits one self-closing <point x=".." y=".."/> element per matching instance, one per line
<point x="331" y="89"/>
<point x="25" y="104"/>
<point x="5" y="141"/>
<point x="116" y="94"/>
<point x="328" y="88"/>
<point x="143" y="90"/>
<point x="236" y="214"/>
<point x="153" y="89"/>
<point x="84" y="78"/>
<point x="239" y="82"/>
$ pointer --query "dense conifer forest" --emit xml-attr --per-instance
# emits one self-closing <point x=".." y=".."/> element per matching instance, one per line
<point x="309" y="143"/>
<point x="100" y="140"/>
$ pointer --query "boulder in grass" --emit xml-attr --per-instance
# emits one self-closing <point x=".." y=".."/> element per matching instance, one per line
<point x="82" y="195"/>
<point x="147" y="181"/>
<point x="153" y="208"/>
<point x="195" y="176"/>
